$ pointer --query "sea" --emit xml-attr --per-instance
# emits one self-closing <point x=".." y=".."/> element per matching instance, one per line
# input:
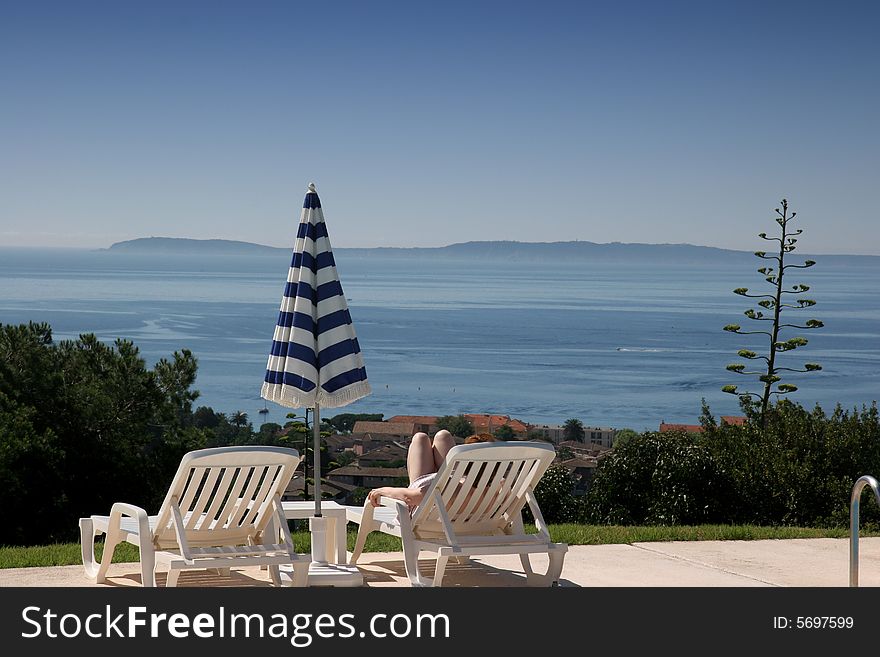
<point x="621" y="345"/>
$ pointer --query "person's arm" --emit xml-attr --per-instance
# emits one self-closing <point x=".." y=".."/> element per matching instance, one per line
<point x="410" y="496"/>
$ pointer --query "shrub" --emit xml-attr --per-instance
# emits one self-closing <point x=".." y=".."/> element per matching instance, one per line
<point x="797" y="471"/>
<point x="556" y="499"/>
<point x="658" y="479"/>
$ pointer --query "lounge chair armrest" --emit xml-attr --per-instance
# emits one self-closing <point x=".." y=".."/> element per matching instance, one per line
<point x="120" y="509"/>
<point x="131" y="510"/>
<point x="392" y="503"/>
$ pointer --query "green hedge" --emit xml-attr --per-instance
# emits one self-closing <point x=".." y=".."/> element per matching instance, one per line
<point x="797" y="471"/>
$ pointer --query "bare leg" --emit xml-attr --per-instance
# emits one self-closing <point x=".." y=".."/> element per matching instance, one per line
<point x="443" y="442"/>
<point x="420" y="457"/>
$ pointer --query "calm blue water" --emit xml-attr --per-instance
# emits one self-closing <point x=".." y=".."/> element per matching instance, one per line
<point x="613" y="345"/>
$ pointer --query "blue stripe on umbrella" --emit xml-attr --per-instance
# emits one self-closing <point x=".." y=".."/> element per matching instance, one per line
<point x="334" y="320"/>
<point x="312" y="201"/>
<point x="338" y="350"/>
<point x="313" y="231"/>
<point x="345" y="379"/>
<point x="293" y="350"/>
<point x="303" y="289"/>
<point x="290" y="379"/>
<point x="307" y="261"/>
<point x="299" y="320"/>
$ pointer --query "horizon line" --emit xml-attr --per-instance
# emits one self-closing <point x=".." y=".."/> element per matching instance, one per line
<point x="413" y="248"/>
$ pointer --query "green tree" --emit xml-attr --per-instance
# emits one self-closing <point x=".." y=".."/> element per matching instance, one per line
<point x="769" y="371"/>
<point x="299" y="436"/>
<point x="97" y="424"/>
<point x="205" y="417"/>
<point x="573" y="429"/>
<point x="505" y="432"/>
<point x="239" y="419"/>
<point x="457" y="425"/>
<point x="268" y="433"/>
<point x="623" y="436"/>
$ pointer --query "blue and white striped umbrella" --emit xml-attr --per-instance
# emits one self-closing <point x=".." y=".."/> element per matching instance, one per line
<point x="315" y="359"/>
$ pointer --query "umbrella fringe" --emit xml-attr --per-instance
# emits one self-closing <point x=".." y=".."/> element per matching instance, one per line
<point x="345" y="396"/>
<point x="293" y="398"/>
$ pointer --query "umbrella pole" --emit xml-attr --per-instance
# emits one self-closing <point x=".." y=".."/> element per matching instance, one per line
<point x="316" y="458"/>
<point x="317" y="524"/>
<point x="322" y="573"/>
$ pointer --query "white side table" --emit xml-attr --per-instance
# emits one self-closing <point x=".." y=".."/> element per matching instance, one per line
<point x="334" y="571"/>
<point x="336" y="525"/>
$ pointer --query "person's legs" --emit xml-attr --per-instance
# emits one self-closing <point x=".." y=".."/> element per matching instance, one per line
<point x="420" y="457"/>
<point x="443" y="442"/>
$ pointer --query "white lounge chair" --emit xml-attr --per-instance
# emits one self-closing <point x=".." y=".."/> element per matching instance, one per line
<point x="473" y="507"/>
<point x="219" y="512"/>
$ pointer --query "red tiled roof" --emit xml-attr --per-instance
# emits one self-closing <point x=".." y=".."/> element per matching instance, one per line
<point x="687" y="428"/>
<point x="481" y="420"/>
<point x="414" y="419"/>
<point x="384" y="428"/>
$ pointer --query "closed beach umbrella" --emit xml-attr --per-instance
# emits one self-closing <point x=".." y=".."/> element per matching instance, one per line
<point x="315" y="361"/>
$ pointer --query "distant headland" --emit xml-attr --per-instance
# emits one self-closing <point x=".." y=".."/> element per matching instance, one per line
<point x="571" y="251"/>
<point x="185" y="245"/>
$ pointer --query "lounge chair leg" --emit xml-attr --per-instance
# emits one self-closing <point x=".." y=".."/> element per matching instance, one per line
<point x="300" y="574"/>
<point x="411" y="563"/>
<point x="148" y="562"/>
<point x="274" y="575"/>
<point x="527" y="565"/>
<point x="440" y="569"/>
<point x="87" y="535"/>
<point x="554" y="570"/>
<point x="173" y="576"/>
<point x="111" y="540"/>
<point x="360" y="541"/>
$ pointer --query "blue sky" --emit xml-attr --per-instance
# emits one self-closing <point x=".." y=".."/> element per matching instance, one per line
<point x="425" y="124"/>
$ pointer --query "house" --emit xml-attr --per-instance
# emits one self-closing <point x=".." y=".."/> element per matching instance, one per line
<point x="384" y="430"/>
<point x="582" y="470"/>
<point x="358" y="476"/>
<point x="339" y="443"/>
<point x="487" y="423"/>
<point x="387" y="453"/>
<point x="555" y="433"/>
<point x="686" y="428"/>
<point x="363" y="445"/>
<point x="330" y="490"/>
<point x="424" y="423"/>
<point x="585" y="450"/>
<point x="733" y="420"/>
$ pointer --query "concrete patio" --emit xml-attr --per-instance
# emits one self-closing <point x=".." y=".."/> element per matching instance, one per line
<point x="820" y="562"/>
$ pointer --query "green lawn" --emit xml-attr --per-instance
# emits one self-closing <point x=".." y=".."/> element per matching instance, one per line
<point x="64" y="554"/>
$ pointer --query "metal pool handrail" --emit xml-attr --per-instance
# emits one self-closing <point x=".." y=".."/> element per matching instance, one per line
<point x="866" y="480"/>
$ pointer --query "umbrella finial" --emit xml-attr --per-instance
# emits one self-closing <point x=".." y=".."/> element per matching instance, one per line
<point x="312" y="188"/>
